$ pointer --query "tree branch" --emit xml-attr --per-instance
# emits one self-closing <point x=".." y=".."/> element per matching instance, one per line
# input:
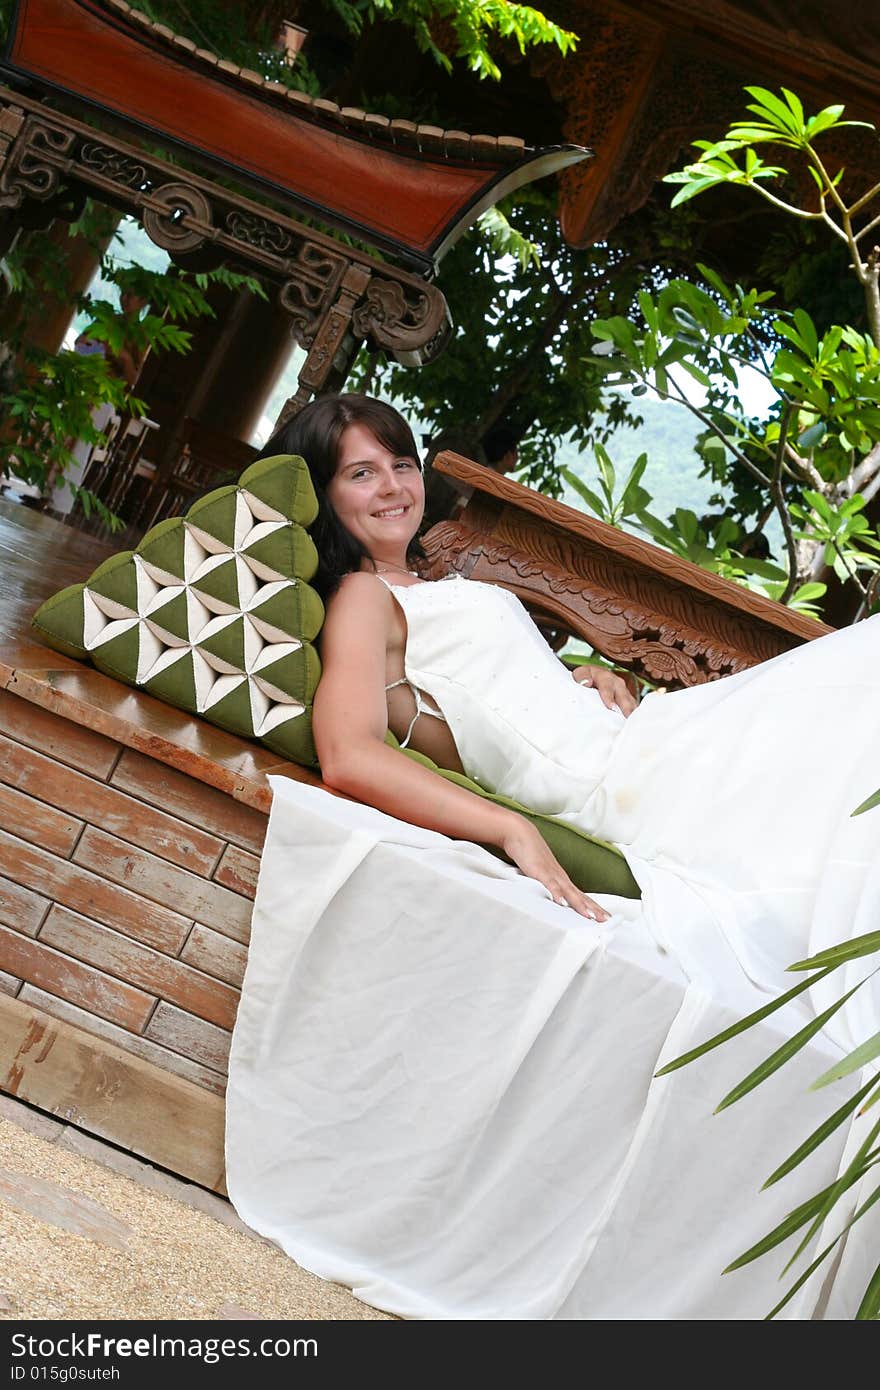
<point x="864" y="200"/>
<point x="864" y="471"/>
<point x="709" y="423"/>
<point x="808" y="471"/>
<point x="778" y="496"/>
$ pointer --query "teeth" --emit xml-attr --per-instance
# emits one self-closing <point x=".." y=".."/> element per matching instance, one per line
<point x="392" y="511"/>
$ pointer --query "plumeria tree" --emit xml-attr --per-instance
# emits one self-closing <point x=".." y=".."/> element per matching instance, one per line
<point x="814" y="460"/>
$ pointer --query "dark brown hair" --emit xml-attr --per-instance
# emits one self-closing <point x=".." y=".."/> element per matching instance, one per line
<point x="314" y="435"/>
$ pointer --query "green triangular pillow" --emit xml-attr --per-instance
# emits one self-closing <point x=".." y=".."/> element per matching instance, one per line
<point x="207" y="603"/>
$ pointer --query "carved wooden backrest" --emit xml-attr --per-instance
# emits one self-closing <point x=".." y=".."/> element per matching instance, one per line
<point x="641" y="607"/>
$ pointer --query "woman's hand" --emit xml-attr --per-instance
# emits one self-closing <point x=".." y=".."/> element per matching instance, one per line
<point x="613" y="690"/>
<point x="529" y="851"/>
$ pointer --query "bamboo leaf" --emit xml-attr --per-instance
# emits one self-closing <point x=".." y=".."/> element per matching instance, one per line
<point x="853" y="1062"/>
<point x="868" y="805"/>
<point x="820" y="1134"/>
<point x="787" y="1227"/>
<point x="864" y="1160"/>
<point x="824" y="1254"/>
<point x="836" y="955"/>
<point x="784" y="1053"/>
<point x="870" y="1304"/>
<point x="742" y="1026"/>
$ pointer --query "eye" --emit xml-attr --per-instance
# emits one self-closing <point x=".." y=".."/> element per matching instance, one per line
<point x="405" y="463"/>
<point x="360" y="472"/>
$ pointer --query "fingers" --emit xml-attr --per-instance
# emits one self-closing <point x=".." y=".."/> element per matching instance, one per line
<point x="620" y="697"/>
<point x="626" y="701"/>
<point x="585" y="906"/>
<point x="613" y="691"/>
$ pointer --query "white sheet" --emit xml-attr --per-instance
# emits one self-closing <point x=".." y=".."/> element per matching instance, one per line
<point x="441" y="1092"/>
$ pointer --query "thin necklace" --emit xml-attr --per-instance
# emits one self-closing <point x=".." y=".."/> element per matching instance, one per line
<point x="397" y="569"/>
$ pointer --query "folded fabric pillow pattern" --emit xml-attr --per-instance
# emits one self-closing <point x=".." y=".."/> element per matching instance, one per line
<point x="213" y="611"/>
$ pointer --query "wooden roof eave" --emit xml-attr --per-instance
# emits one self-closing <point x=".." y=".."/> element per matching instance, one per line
<point x="405" y="188"/>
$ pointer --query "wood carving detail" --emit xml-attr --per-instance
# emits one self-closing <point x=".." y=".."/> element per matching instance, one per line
<point x="33" y="163"/>
<point x="616" y="54"/>
<point x="312" y="287"/>
<point x="670" y="635"/>
<point x="178" y="218"/>
<point x="120" y="168"/>
<point x="333" y="293"/>
<point x="400" y="319"/>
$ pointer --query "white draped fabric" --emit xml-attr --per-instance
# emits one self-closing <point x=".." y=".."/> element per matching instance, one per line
<point x="441" y="1086"/>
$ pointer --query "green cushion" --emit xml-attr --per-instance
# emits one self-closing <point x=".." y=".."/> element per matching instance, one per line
<point x="213" y="612"/>
<point x="593" y="864"/>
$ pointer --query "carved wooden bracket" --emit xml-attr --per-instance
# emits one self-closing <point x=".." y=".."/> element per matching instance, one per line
<point x="337" y="296"/>
<point x="662" y="617"/>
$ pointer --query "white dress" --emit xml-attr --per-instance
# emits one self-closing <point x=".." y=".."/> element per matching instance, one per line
<point x="441" y="1083"/>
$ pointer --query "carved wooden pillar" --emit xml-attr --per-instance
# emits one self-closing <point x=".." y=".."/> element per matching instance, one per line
<point x="333" y="347"/>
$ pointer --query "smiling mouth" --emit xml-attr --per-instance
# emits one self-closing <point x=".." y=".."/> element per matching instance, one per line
<point x="392" y="512"/>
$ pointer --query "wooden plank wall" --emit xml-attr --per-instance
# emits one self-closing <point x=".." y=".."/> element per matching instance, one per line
<point x="126" y="892"/>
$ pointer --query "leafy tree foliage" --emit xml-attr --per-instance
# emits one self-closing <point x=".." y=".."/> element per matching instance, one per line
<point x="522" y="301"/>
<point x="468" y="31"/>
<point x="47" y="399"/>
<point x="815" y="459"/>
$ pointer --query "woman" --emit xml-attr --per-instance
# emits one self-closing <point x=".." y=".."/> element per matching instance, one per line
<point x="703" y="790"/>
<point x="365" y="465"/>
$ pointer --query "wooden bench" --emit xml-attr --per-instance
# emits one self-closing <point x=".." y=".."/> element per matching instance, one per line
<point x="132" y="832"/>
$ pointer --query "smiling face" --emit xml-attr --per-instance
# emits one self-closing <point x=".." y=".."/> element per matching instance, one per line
<point x="378" y="496"/>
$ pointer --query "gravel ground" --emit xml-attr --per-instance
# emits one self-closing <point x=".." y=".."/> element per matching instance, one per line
<point x="81" y="1240"/>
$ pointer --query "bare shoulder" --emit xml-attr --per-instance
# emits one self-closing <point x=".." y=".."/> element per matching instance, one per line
<point x="360" y="598"/>
<point x="360" y="590"/>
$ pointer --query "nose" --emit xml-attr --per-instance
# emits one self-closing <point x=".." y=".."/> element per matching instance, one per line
<point x="389" y="481"/>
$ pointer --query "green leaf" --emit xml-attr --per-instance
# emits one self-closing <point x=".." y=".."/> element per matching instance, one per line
<point x="778" y="113"/>
<point x="696" y="373"/>
<point x="784" y="1053"/>
<point x="716" y="282"/>
<point x="855" y="1060"/>
<point x="872" y="801"/>
<point x="820" y="1134"/>
<point x="592" y="500"/>
<point x="823" y="1255"/>
<point x="812" y="436"/>
<point x="807" y="330"/>
<point x="864" y="1159"/>
<point x="743" y="1025"/>
<point x="869" y="1308"/>
<point x="853" y="949"/>
<point x="824" y="120"/>
<point x="786" y="1228"/>
<point x="795" y="105"/>
<point x="693" y="188"/>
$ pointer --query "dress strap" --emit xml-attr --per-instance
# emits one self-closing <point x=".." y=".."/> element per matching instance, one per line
<point x="421" y="707"/>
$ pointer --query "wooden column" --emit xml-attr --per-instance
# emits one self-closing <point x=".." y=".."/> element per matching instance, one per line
<point x="80" y="259"/>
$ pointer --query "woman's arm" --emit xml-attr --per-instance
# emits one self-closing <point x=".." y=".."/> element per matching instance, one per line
<point x="350" y="720"/>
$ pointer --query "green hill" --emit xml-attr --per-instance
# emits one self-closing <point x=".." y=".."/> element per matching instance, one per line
<point x="667" y="436"/>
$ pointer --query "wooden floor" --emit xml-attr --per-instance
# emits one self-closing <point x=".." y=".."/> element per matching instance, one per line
<point x="38" y="556"/>
<point x="130" y="836"/>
